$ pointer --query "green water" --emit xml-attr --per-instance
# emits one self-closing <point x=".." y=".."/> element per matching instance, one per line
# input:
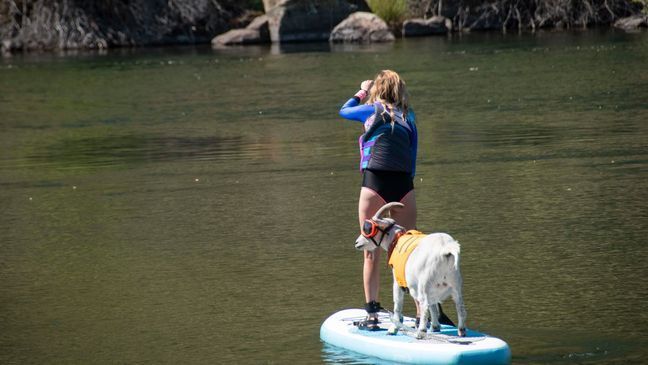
<point x="200" y="206"/>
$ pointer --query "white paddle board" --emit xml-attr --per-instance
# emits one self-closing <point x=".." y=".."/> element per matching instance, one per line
<point x="443" y="347"/>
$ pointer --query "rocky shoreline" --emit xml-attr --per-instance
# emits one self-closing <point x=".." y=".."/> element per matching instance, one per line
<point x="79" y="24"/>
<point x="76" y="24"/>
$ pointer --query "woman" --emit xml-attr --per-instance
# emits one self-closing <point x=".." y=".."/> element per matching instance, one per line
<point x="388" y="150"/>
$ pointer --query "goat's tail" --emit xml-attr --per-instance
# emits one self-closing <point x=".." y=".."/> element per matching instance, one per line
<point x="452" y="248"/>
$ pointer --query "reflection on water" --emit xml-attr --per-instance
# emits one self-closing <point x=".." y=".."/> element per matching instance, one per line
<point x="131" y="149"/>
<point x="336" y="355"/>
<point x="191" y="205"/>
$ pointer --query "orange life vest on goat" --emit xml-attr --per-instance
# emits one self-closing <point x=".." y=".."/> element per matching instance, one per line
<point x="401" y="251"/>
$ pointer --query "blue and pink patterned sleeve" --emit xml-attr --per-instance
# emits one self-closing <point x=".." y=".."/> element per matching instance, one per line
<point x="352" y="110"/>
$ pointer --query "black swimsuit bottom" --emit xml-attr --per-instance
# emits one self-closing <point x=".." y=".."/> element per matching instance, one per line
<point x="392" y="186"/>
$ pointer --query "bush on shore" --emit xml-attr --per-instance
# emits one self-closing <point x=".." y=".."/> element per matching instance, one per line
<point x="391" y="11"/>
<point x="530" y="14"/>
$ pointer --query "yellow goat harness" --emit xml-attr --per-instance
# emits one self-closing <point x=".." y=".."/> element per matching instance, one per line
<point x="399" y="253"/>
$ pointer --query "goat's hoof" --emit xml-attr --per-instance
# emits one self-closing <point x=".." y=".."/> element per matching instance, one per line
<point x="392" y="330"/>
<point x="436" y="328"/>
<point x="461" y="332"/>
<point x="420" y="335"/>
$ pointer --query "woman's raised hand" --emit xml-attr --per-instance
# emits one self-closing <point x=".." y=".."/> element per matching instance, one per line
<point x="366" y="85"/>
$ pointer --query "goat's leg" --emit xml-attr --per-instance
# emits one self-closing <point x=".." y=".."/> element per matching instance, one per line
<point x="397" y="316"/>
<point x="422" y="328"/>
<point x="434" y="312"/>
<point x="457" y="296"/>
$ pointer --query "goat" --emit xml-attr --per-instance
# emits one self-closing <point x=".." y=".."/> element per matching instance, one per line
<point x="430" y="272"/>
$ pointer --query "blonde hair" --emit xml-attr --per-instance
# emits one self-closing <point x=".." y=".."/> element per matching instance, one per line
<point x="390" y="89"/>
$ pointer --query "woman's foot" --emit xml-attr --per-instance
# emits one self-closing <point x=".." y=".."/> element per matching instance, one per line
<point x="370" y="323"/>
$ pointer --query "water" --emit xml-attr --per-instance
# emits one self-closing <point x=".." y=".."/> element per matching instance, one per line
<point x="200" y="206"/>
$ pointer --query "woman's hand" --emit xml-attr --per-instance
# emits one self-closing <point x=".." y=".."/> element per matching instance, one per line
<point x="366" y="85"/>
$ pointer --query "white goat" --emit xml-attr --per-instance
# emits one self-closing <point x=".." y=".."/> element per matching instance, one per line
<point x="431" y="270"/>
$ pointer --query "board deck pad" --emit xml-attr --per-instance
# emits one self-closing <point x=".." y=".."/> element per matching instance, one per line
<point x="444" y="347"/>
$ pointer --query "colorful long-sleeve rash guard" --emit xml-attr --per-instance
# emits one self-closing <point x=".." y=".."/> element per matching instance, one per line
<point x="383" y="146"/>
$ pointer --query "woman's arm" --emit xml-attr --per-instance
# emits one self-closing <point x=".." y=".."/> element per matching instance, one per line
<point x="352" y="110"/>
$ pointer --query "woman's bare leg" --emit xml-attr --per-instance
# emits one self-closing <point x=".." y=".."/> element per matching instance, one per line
<point x="368" y="205"/>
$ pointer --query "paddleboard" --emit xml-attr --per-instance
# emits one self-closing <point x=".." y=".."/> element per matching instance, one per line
<point x="443" y="347"/>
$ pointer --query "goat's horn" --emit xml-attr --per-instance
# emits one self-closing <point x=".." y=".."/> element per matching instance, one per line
<point x="385" y="208"/>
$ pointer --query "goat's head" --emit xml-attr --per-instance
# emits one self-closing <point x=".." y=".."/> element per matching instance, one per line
<point x="379" y="231"/>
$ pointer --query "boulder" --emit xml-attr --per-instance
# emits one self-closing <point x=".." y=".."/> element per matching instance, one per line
<point x="361" y="27"/>
<point x="632" y="22"/>
<point x="423" y="27"/>
<point x="256" y="32"/>
<point x="307" y="20"/>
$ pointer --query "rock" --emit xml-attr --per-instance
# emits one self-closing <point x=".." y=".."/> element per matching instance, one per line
<point x="362" y="27"/>
<point x="255" y="33"/>
<point x="422" y="27"/>
<point x="5" y="46"/>
<point x="632" y="22"/>
<point x="307" y="20"/>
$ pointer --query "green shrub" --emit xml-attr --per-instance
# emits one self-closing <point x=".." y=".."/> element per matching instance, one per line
<point x="391" y="11"/>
